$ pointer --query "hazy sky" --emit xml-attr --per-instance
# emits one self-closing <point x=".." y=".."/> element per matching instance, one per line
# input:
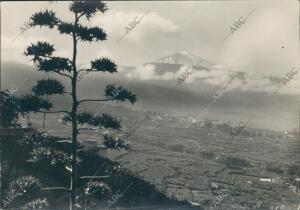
<point x="267" y="43"/>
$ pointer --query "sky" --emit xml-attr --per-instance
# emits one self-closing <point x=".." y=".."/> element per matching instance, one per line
<point x="267" y="43"/>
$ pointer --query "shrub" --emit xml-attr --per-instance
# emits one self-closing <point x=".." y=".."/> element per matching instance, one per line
<point x="9" y="111"/>
<point x="22" y="189"/>
<point x="236" y="163"/>
<point x="36" y="204"/>
<point x="97" y="189"/>
<point x="115" y="142"/>
<point x="208" y="123"/>
<point x="225" y="127"/>
<point x="208" y="155"/>
<point x="275" y="169"/>
<point x="294" y="170"/>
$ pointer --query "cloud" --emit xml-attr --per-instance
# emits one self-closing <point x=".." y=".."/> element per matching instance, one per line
<point x="149" y="24"/>
<point x="165" y="30"/>
<point x="143" y="72"/>
<point x="251" y="48"/>
<point x="214" y="76"/>
<point x="220" y="77"/>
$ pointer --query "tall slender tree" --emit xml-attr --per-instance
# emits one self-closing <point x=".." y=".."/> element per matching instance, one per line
<point x="42" y="53"/>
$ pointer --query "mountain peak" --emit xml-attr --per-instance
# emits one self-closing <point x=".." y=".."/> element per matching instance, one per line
<point x="183" y="58"/>
<point x="184" y="52"/>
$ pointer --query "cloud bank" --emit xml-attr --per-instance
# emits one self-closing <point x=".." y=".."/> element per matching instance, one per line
<point x="218" y="76"/>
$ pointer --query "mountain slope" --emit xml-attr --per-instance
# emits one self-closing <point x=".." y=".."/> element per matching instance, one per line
<point x="184" y="58"/>
<point x="189" y="99"/>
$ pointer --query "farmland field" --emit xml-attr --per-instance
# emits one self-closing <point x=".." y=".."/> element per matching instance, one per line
<point x="206" y="166"/>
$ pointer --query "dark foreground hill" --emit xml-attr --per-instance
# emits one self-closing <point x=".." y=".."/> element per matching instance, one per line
<point x="137" y="193"/>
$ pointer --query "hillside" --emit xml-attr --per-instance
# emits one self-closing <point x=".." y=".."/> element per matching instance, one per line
<point x="273" y="111"/>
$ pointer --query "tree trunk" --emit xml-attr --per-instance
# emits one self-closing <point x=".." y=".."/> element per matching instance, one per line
<point x="44" y="118"/>
<point x="74" y="149"/>
<point x="74" y="123"/>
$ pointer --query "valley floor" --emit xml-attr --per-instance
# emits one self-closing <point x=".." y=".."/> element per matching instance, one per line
<point x="209" y="169"/>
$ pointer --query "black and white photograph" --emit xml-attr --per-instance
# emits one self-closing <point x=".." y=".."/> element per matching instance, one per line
<point x="150" y="105"/>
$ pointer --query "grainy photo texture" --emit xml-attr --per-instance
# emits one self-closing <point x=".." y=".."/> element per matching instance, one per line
<point x="150" y="105"/>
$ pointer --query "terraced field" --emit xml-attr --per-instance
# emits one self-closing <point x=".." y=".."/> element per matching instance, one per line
<point x="196" y="165"/>
<point x="210" y="169"/>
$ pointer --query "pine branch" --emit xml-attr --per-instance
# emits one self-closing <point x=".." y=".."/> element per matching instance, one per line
<point x="38" y="50"/>
<point x="88" y="8"/>
<point x="44" y="19"/>
<point x="64" y="141"/>
<point x="95" y="100"/>
<point x="86" y="129"/>
<point x="119" y="93"/>
<point x="55" y="188"/>
<point x="33" y="103"/>
<point x="54" y="64"/>
<point x="104" y="65"/>
<point x="82" y="14"/>
<point x="102" y="121"/>
<point x="82" y="33"/>
<point x="84" y="70"/>
<point x="48" y="87"/>
<point x="68" y="92"/>
<point x="62" y="74"/>
<point x="66" y="58"/>
<point x="94" y="177"/>
<point x="53" y="112"/>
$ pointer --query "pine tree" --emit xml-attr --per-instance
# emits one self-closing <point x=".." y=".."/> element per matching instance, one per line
<point x="43" y="58"/>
